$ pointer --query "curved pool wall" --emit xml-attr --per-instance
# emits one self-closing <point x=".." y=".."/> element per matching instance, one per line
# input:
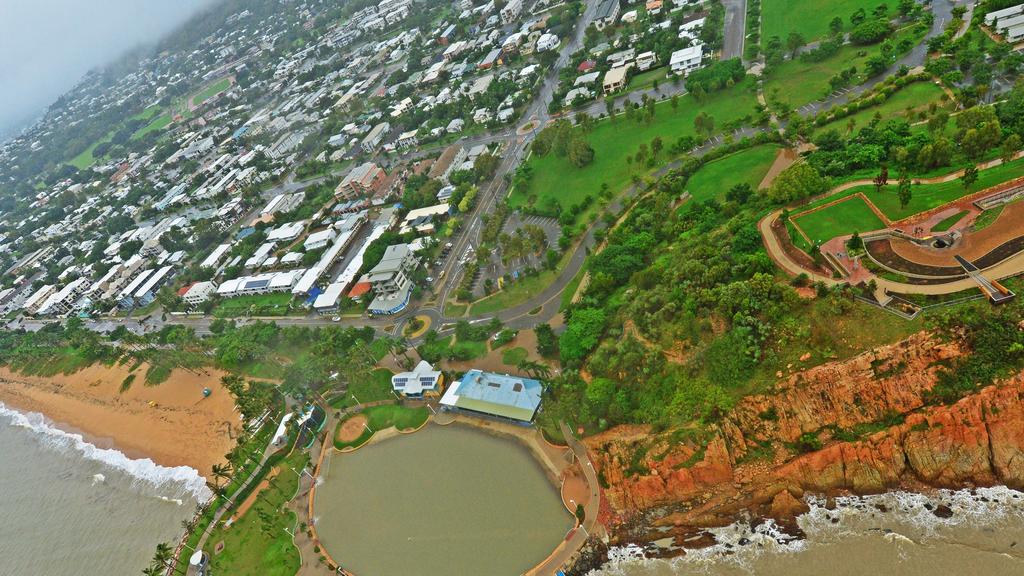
<point x="442" y="501"/>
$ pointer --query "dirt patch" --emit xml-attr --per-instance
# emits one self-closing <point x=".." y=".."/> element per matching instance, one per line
<point x="973" y="245"/>
<point x="254" y="495"/>
<point x="574" y="489"/>
<point x="351" y="429"/>
<point x="784" y="159"/>
<point x="882" y="251"/>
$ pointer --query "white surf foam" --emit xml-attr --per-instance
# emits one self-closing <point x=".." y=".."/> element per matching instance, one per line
<point x="739" y="543"/>
<point x="183" y="480"/>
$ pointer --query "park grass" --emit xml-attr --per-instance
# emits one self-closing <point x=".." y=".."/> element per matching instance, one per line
<point x="744" y="167"/>
<point x="147" y="113"/>
<point x="797" y="83"/>
<point x="257" y="543"/>
<point x="928" y="196"/>
<point x="274" y="304"/>
<point x="376" y="387"/>
<point x="917" y="96"/>
<point x="986" y="218"/>
<point x="453" y="310"/>
<point x="86" y="158"/>
<point x="159" y="123"/>
<point x="809" y="18"/>
<point x="850" y="215"/>
<point x="514" y="292"/>
<point x="382" y="417"/>
<point x="613" y="140"/>
<point x="513" y="356"/>
<point x="947" y="223"/>
<point x="210" y="91"/>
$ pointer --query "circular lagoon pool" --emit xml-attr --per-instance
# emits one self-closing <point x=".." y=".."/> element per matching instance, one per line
<point x="442" y="501"/>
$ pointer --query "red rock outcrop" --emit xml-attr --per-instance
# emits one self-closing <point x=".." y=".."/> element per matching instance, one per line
<point x="690" y="484"/>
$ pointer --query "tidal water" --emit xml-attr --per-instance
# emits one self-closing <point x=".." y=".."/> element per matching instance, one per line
<point x="443" y="501"/>
<point x="68" y="507"/>
<point x="896" y="533"/>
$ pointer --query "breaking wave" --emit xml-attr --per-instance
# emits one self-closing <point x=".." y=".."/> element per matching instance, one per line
<point x="903" y="518"/>
<point x="182" y="480"/>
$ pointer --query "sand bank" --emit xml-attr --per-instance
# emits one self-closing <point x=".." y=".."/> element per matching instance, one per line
<point x="181" y="429"/>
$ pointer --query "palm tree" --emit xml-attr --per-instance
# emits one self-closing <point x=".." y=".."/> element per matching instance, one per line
<point x="162" y="556"/>
<point x="152" y="571"/>
<point x="221" y="471"/>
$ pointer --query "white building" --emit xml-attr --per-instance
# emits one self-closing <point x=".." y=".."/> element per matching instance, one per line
<point x="198" y="293"/>
<point x="512" y="9"/>
<point x="687" y="60"/>
<point x="318" y="240"/>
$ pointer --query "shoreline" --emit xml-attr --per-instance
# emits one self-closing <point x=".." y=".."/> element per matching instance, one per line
<point x="169" y="424"/>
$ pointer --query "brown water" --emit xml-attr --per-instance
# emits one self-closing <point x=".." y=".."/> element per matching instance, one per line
<point x="985" y="536"/>
<point x="445" y="500"/>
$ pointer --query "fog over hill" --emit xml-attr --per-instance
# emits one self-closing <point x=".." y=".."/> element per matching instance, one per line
<point x="47" y="45"/>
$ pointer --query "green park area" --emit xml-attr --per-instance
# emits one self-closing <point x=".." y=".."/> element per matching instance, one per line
<point x="809" y="18"/>
<point x="928" y="196"/>
<point x="744" y="167"/>
<point x="613" y="140"/>
<point x="914" y="97"/>
<point x="158" y="123"/>
<point x="210" y="91"/>
<point x="376" y="387"/>
<point x="383" y="417"/>
<point x="647" y="79"/>
<point x="86" y="158"/>
<point x="850" y="215"/>
<point x="796" y="82"/>
<point x="259" y="541"/>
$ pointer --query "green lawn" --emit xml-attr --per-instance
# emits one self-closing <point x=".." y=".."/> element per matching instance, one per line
<point x="646" y="79"/>
<point x="613" y="140"/>
<point x="159" y="123"/>
<point x="513" y="356"/>
<point x="846" y="217"/>
<point x="928" y="196"/>
<point x="383" y="417"/>
<point x="518" y="291"/>
<point x="86" y="159"/>
<point x="275" y="304"/>
<point x="377" y="387"/>
<point x="916" y="96"/>
<point x="797" y="83"/>
<point x="210" y="91"/>
<point x="746" y="166"/>
<point x="257" y="543"/>
<point x="810" y="18"/>
<point x="947" y="223"/>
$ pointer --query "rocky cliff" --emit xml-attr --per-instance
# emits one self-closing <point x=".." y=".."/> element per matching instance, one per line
<point x="860" y="425"/>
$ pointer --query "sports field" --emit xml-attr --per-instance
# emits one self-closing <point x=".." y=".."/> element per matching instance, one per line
<point x="613" y="140"/>
<point x="846" y="217"/>
<point x="809" y="18"/>
<point x="210" y="91"/>
<point x="714" y="179"/>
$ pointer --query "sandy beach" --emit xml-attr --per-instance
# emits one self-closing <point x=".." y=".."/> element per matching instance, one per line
<point x="181" y="429"/>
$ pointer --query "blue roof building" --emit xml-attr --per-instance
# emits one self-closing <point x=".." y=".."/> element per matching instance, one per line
<point x="501" y="395"/>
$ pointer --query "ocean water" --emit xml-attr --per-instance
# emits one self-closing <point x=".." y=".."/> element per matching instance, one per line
<point x="896" y="533"/>
<point x="68" y="507"/>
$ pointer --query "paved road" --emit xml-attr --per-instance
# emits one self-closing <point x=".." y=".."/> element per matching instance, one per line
<point x="735" y="28"/>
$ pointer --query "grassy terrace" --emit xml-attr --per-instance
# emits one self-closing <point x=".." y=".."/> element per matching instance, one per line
<point x="613" y="140"/>
<point x="798" y="83"/>
<point x="916" y="97"/>
<point x="928" y="196"/>
<point x="383" y="417"/>
<point x="809" y="18"/>
<point x="948" y="223"/>
<point x="850" y="215"/>
<point x="744" y="167"/>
